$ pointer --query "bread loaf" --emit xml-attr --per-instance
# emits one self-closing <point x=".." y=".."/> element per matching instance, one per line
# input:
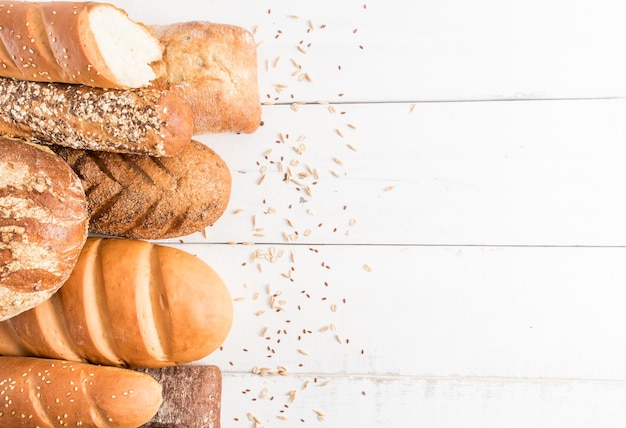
<point x="192" y="396"/>
<point x="144" y="121"/>
<point x="128" y="303"/>
<point x="43" y="224"/>
<point x="214" y="68"/>
<point x="87" y="43"/>
<point x="39" y="392"/>
<point x="143" y="197"/>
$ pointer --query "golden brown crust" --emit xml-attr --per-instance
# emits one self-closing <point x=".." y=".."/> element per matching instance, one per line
<point x="142" y="197"/>
<point x="47" y="392"/>
<point x="214" y="68"/>
<point x="128" y="303"/>
<point x="43" y="224"/>
<point x="146" y="121"/>
<point x="51" y="42"/>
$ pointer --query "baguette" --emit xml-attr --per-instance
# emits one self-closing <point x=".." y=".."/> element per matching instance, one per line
<point x="214" y="68"/>
<point x="43" y="224"/>
<point x="128" y="303"/>
<point x="89" y="43"/>
<point x="143" y="197"/>
<point x="146" y="121"/>
<point x="40" y="392"/>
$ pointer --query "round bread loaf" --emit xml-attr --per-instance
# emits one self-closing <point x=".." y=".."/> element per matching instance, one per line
<point x="43" y="224"/>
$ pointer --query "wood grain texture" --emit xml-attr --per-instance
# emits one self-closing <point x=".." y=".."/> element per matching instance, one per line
<point x="423" y="51"/>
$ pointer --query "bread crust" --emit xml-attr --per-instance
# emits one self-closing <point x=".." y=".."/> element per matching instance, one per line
<point x="43" y="224"/>
<point x="214" y="68"/>
<point x="142" y="197"/>
<point x="146" y="121"/>
<point x="47" y="392"/>
<point x="52" y="42"/>
<point x="128" y="303"/>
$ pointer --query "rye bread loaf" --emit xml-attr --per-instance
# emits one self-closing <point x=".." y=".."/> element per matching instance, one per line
<point x="192" y="396"/>
<point x="214" y="68"/>
<point x="39" y="392"/>
<point x="43" y="224"/>
<point x="144" y="197"/>
<point x="127" y="303"/>
<point x="87" y="43"/>
<point x="146" y="121"/>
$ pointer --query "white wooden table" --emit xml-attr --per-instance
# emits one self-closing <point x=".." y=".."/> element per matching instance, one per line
<point x="451" y="248"/>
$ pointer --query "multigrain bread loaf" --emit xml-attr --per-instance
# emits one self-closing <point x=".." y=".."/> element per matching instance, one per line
<point x="128" y="303"/>
<point x="214" y="68"/>
<point x="87" y="43"/>
<point x="39" y="392"/>
<point x="43" y="224"/>
<point x="146" y="121"/>
<point x="144" y="197"/>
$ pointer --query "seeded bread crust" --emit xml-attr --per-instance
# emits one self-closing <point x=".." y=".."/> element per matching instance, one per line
<point x="214" y="68"/>
<point x="39" y="392"/>
<point x="52" y="42"/>
<point x="146" y="121"/>
<point x="43" y="225"/>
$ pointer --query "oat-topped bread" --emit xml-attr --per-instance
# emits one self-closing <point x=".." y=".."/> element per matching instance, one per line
<point x="43" y="225"/>
<point x="147" y="121"/>
<point x="90" y="43"/>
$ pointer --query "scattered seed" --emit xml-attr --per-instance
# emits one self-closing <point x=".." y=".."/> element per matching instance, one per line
<point x="367" y="267"/>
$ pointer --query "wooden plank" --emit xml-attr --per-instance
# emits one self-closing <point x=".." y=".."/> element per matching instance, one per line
<point x="427" y="50"/>
<point x="495" y="173"/>
<point x="522" y="312"/>
<point x="431" y="402"/>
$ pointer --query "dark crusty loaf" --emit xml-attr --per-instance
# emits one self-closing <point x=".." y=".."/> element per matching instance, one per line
<point x="214" y="68"/>
<point x="87" y="43"/>
<point x="192" y="396"/>
<point x="127" y="303"/>
<point x="143" y="197"/>
<point x="43" y="224"/>
<point x="144" y="121"/>
<point x="38" y="392"/>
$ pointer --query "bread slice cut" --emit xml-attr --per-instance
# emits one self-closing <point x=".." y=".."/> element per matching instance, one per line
<point x="89" y="43"/>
